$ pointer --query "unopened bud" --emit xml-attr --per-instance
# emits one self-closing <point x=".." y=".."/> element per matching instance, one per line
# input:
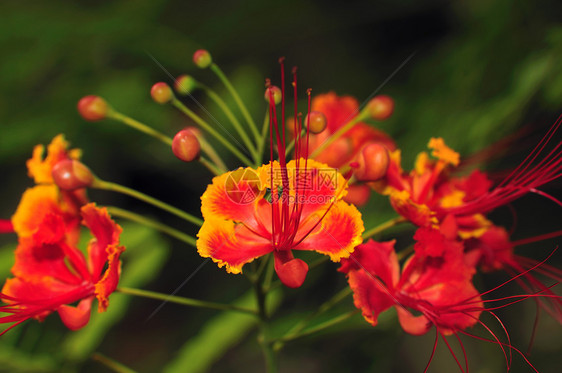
<point x="184" y="84"/>
<point x="161" y="93"/>
<point x="93" y="108"/>
<point x="202" y="58"/>
<point x="316" y="121"/>
<point x="275" y="92"/>
<point x="372" y="162"/>
<point x="381" y="107"/>
<point x="186" y="146"/>
<point x="70" y="174"/>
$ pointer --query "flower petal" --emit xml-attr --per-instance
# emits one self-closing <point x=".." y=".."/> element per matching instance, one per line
<point x="110" y="279"/>
<point x="229" y="244"/>
<point x="337" y="234"/>
<point x="75" y="318"/>
<point x="106" y="233"/>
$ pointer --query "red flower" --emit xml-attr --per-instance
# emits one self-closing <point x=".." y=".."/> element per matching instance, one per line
<point x="339" y="110"/>
<point x="434" y="288"/>
<point x="280" y="207"/>
<point x="51" y="274"/>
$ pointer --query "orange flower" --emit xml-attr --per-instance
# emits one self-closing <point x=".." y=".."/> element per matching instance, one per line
<point x="243" y="221"/>
<point x="280" y="207"/>
<point x="51" y="274"/>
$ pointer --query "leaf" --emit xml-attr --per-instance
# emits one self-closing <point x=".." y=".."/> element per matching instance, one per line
<point x="218" y="336"/>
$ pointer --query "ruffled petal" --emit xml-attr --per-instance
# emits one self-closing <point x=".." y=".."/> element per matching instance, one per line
<point x="35" y="203"/>
<point x="233" y="196"/>
<point x="369" y="296"/>
<point x="229" y="244"/>
<point x="106" y="233"/>
<point x="338" y="233"/>
<point x="40" y="169"/>
<point x="418" y="214"/>
<point x="110" y="279"/>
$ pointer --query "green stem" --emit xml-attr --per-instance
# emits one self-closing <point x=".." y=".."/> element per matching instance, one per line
<point x="263" y="338"/>
<point x="384" y="226"/>
<point x="211" y="166"/>
<point x="336" y="320"/>
<point x="218" y="72"/>
<point x="185" y="301"/>
<point x="207" y="127"/>
<point x="224" y="107"/>
<point x="139" y="126"/>
<point x="261" y="138"/>
<point x="339" y="133"/>
<point x="292" y="143"/>
<point x="111" y="364"/>
<point x="295" y="330"/>
<point x="210" y="151"/>
<point x="106" y="185"/>
<point x="129" y="215"/>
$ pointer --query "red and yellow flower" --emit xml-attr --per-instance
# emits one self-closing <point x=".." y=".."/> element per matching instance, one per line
<point x="244" y="220"/>
<point x="434" y="287"/>
<point x="51" y="274"/>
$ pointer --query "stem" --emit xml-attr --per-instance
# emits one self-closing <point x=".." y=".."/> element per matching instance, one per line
<point x="111" y="364"/>
<point x="216" y="170"/>
<point x="384" y="226"/>
<point x="339" y="133"/>
<point x="106" y="185"/>
<point x="295" y="330"/>
<point x="197" y="119"/>
<point x="292" y="143"/>
<point x="210" y="151"/>
<point x="218" y="72"/>
<point x="224" y="107"/>
<point x="261" y="138"/>
<point x="263" y="338"/>
<point x="129" y="215"/>
<point x="140" y="126"/>
<point x="336" y="320"/>
<point x="185" y="301"/>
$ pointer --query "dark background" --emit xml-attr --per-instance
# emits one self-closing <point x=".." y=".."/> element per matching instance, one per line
<point x="481" y="70"/>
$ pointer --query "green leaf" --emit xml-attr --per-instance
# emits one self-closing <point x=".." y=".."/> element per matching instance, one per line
<point x="218" y="336"/>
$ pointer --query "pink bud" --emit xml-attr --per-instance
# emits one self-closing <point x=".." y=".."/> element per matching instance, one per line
<point x="92" y="108"/>
<point x="317" y="123"/>
<point x="70" y="174"/>
<point x="161" y="93"/>
<point x="381" y="107"/>
<point x="186" y="146"/>
<point x="202" y="58"/>
<point x="372" y="162"/>
<point x="276" y="92"/>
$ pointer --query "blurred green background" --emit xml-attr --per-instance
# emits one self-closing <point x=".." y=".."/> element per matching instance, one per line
<point x="481" y="70"/>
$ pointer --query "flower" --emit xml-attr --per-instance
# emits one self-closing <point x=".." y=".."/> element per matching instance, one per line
<point x="51" y="274"/>
<point x="433" y="289"/>
<point x="340" y="110"/>
<point x="243" y="222"/>
<point x="277" y="208"/>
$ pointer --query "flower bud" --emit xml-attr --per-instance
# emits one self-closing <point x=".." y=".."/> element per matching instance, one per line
<point x="184" y="84"/>
<point x="202" y="58"/>
<point x="372" y="162"/>
<point x="186" y="146"/>
<point x="161" y="93"/>
<point x="276" y="92"/>
<point x="70" y="174"/>
<point x="93" y="108"/>
<point x="381" y="107"/>
<point x="316" y="121"/>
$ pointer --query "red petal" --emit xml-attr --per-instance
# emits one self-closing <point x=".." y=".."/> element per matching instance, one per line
<point x="230" y="244"/>
<point x="110" y="279"/>
<point x="106" y="233"/>
<point x="76" y="317"/>
<point x="292" y="273"/>
<point x="6" y="226"/>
